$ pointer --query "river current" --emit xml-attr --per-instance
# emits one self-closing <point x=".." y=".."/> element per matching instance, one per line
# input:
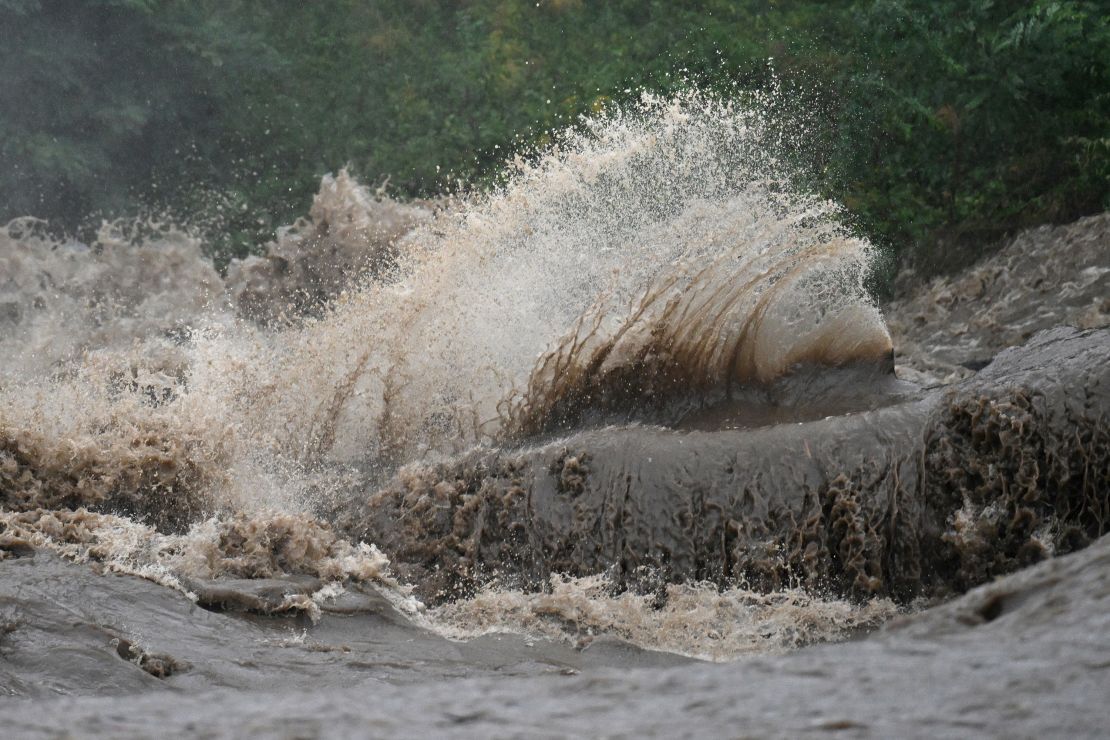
<point x="633" y="408"/>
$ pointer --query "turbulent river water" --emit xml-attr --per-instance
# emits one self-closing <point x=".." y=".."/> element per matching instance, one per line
<point x="634" y="409"/>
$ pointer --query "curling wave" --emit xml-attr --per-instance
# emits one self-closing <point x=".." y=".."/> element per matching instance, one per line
<point x="430" y="378"/>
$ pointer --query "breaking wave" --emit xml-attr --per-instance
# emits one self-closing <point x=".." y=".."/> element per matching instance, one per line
<point x="649" y="267"/>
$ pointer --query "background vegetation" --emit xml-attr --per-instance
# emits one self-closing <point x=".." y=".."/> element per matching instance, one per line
<point x="941" y="124"/>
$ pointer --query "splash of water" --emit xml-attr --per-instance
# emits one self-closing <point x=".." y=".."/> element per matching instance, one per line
<point x="651" y="255"/>
<point x="654" y="251"/>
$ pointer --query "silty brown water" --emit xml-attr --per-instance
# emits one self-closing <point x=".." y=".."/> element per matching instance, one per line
<point x="639" y="391"/>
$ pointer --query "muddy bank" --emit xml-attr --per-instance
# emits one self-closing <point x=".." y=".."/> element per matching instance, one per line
<point x="1023" y="656"/>
<point x="923" y="497"/>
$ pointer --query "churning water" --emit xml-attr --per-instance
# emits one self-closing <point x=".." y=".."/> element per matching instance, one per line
<point x="498" y="390"/>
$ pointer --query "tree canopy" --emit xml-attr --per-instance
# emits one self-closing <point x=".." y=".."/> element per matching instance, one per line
<point x="940" y="124"/>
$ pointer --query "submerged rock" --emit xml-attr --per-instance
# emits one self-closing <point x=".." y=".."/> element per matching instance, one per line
<point x="260" y="595"/>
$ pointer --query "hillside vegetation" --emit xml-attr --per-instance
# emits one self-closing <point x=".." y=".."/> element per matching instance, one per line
<point x="940" y="124"/>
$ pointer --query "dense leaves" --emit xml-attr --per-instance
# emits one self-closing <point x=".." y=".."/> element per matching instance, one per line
<point x="940" y="124"/>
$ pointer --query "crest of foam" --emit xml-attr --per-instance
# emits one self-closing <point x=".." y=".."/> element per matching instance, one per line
<point x="656" y="248"/>
<point x="696" y="620"/>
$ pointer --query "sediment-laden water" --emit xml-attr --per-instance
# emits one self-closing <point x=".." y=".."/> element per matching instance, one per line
<point x="632" y="409"/>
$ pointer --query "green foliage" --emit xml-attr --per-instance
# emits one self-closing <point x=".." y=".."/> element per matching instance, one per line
<point x="940" y="124"/>
<point x="983" y="117"/>
<point x="97" y="95"/>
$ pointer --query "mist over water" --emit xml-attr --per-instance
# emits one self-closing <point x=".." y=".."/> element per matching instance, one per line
<point x="650" y="262"/>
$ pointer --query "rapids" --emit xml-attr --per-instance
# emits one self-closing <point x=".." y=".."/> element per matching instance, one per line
<point x="649" y="265"/>
<point x="634" y="398"/>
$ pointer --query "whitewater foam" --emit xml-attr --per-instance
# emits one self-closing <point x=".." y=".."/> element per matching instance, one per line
<point x="653" y="253"/>
<point x="695" y="620"/>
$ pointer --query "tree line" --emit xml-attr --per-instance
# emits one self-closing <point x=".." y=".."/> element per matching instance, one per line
<point x="941" y="125"/>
